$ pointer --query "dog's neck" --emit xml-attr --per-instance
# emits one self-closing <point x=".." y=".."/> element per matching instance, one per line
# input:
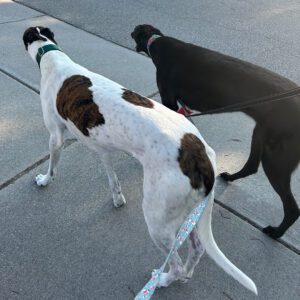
<point x="34" y="47"/>
<point x="45" y="49"/>
<point x="38" y="49"/>
<point x="153" y="38"/>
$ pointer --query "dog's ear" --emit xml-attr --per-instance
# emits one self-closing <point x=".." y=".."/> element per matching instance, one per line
<point x="48" y="33"/>
<point x="31" y="35"/>
<point x="141" y="35"/>
<point x="139" y="48"/>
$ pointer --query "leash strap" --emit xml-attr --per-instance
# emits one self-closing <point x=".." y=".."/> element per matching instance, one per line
<point x="250" y="103"/>
<point x="43" y="50"/>
<point x="150" y="41"/>
<point x="184" y="231"/>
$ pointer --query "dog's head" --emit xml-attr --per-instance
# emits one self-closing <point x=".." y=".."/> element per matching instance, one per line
<point x="141" y="34"/>
<point x="38" y="33"/>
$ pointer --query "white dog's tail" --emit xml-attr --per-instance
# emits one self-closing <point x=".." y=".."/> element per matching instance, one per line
<point x="212" y="249"/>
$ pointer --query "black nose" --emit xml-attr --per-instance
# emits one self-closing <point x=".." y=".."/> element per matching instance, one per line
<point x="132" y="33"/>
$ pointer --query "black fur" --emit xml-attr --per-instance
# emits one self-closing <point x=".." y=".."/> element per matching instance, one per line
<point x="32" y="34"/>
<point x="204" y="79"/>
<point x="142" y="33"/>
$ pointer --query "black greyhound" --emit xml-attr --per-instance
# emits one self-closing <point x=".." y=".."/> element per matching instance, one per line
<point x="204" y="79"/>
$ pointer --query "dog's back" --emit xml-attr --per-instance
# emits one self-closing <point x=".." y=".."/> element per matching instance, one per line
<point x="103" y="113"/>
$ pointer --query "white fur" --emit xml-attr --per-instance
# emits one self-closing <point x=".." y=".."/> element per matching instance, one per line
<point x="152" y="136"/>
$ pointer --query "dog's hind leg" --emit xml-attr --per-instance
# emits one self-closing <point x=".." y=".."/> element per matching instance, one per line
<point x="55" y="145"/>
<point x="278" y="164"/>
<point x="164" y="239"/>
<point x="164" y="207"/>
<point x="118" y="198"/>
<point x="195" y="251"/>
<point x="254" y="159"/>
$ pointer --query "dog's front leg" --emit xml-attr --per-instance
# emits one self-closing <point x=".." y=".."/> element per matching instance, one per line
<point x="55" y="146"/>
<point x="166" y="93"/>
<point x="118" y="198"/>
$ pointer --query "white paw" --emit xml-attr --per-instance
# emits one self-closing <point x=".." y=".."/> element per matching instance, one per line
<point x="185" y="275"/>
<point x="164" y="280"/>
<point x="42" y="180"/>
<point x="118" y="200"/>
<point x="185" y="279"/>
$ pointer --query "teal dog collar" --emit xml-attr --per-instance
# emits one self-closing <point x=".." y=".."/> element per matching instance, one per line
<point x="43" y="50"/>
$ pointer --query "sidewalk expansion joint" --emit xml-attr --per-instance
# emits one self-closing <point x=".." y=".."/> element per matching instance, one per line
<point x="24" y="19"/>
<point x="20" y="81"/>
<point x="257" y="226"/>
<point x="109" y="40"/>
<point x="12" y="180"/>
<point x="19" y="175"/>
<point x="77" y="27"/>
<point x="153" y="94"/>
<point x="67" y="143"/>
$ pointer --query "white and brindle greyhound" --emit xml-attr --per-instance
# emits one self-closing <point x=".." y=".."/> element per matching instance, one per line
<point x="179" y="166"/>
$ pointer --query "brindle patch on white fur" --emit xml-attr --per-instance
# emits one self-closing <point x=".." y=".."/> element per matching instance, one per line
<point x="195" y="163"/>
<point x="137" y="99"/>
<point x="75" y="102"/>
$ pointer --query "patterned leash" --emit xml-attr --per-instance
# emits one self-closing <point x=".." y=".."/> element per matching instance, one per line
<point x="184" y="231"/>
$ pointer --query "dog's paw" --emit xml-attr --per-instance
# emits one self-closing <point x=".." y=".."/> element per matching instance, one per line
<point x="273" y="232"/>
<point x="226" y="176"/>
<point x="118" y="200"/>
<point x="42" y="180"/>
<point x="186" y="276"/>
<point x="184" y="279"/>
<point x="163" y="280"/>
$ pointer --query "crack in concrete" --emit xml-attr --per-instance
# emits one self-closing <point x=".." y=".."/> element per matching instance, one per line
<point x="67" y="143"/>
<point x="153" y="94"/>
<point x="77" y="27"/>
<point x="20" y="81"/>
<point x="24" y="19"/>
<point x="256" y="225"/>
<point x="22" y="173"/>
<point x="140" y="53"/>
<point x="12" y="180"/>
<point x="228" y="296"/>
<point x="131" y="291"/>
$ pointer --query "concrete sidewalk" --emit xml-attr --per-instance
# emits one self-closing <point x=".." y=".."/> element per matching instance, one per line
<point x="66" y="241"/>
